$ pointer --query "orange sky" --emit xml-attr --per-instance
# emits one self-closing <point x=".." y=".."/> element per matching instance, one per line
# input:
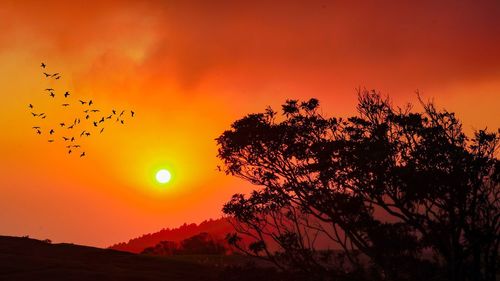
<point x="190" y="68"/>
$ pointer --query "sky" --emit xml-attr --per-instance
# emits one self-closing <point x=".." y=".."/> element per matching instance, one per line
<point x="189" y="69"/>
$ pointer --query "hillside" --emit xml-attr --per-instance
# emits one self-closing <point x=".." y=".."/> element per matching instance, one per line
<point x="216" y="228"/>
<point x="29" y="259"/>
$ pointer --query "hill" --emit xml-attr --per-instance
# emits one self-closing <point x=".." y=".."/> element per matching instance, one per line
<point x="30" y="259"/>
<point x="216" y="228"/>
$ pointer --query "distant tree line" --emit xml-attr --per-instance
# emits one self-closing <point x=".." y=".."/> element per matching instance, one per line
<point x="200" y="244"/>
<point x="404" y="194"/>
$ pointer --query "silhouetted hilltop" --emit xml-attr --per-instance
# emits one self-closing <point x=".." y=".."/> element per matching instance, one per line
<point x="216" y="228"/>
<point x="30" y="259"/>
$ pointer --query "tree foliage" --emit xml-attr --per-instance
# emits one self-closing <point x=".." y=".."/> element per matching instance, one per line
<point x="405" y="195"/>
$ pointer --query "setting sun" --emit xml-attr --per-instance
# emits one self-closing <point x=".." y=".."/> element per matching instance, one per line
<point x="163" y="176"/>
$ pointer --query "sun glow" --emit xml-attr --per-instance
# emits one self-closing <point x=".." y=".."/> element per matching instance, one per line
<point x="163" y="176"/>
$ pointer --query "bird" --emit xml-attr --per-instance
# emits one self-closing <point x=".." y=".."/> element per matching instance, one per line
<point x="36" y="127"/>
<point x="42" y="65"/>
<point x="82" y="133"/>
<point x="86" y="111"/>
<point x="87" y="134"/>
<point x="87" y="117"/>
<point x="95" y="110"/>
<point x="65" y="138"/>
<point x="95" y="123"/>
<point x="43" y="117"/>
<point x="77" y="145"/>
<point x="102" y="120"/>
<point x="219" y="168"/>
<point x="34" y="114"/>
<point x="72" y="139"/>
<point x="51" y="131"/>
<point x="62" y="124"/>
<point x="46" y="74"/>
<point x="68" y="146"/>
<point x="57" y="78"/>
<point x="102" y="130"/>
<point x="55" y="74"/>
<point x="30" y="105"/>
<point x="82" y="102"/>
<point x="39" y="132"/>
<point x="52" y="94"/>
<point x="66" y="94"/>
<point x="71" y="127"/>
<point x="51" y="140"/>
<point x="109" y="117"/>
<point x="83" y="154"/>
<point x="121" y="113"/>
<point x="114" y="111"/>
<point x="132" y="113"/>
<point x="90" y="102"/>
<point x="121" y="121"/>
<point x="49" y="90"/>
<point x="69" y="151"/>
<point x="65" y="104"/>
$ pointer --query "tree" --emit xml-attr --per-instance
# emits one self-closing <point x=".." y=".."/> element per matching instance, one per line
<point x="389" y="185"/>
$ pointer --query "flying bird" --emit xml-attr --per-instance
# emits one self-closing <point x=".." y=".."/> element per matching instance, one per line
<point x="65" y="104"/>
<point x="69" y="151"/>
<point x="81" y="135"/>
<point x="49" y="90"/>
<point x="34" y="114"/>
<point x="71" y="127"/>
<point x="77" y="145"/>
<point x="121" y="121"/>
<point x="87" y="134"/>
<point x="102" y="120"/>
<point x="57" y="78"/>
<point x="52" y="94"/>
<point x="95" y="110"/>
<point x="90" y="102"/>
<point x="42" y="65"/>
<point x="102" y="130"/>
<point x="62" y="124"/>
<point x="66" y="94"/>
<point x="72" y="139"/>
<point x="30" y="105"/>
<point x="82" y="102"/>
<point x="55" y="74"/>
<point x="65" y="138"/>
<point x="114" y="111"/>
<point x="83" y="154"/>
<point x="132" y="113"/>
<point x="87" y="117"/>
<point x="39" y="132"/>
<point x="51" y="140"/>
<point x="95" y="123"/>
<point x="36" y="127"/>
<point x="46" y="74"/>
<point x="121" y="113"/>
<point x="51" y="131"/>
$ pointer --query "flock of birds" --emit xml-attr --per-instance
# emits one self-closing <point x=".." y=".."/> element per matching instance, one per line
<point x="87" y="119"/>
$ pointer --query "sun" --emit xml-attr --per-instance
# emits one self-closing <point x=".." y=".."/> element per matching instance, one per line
<point x="163" y="176"/>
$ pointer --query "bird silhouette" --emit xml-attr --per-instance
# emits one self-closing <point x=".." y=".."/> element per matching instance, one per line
<point x="62" y="124"/>
<point x="72" y="139"/>
<point x="76" y="145"/>
<point x="81" y="135"/>
<point x="36" y="127"/>
<point x="46" y="74"/>
<point x="109" y="117"/>
<point x="34" y="114"/>
<point x="87" y="116"/>
<point x="102" y="130"/>
<point x="82" y="102"/>
<point x="57" y="78"/>
<point x="51" y="131"/>
<point x="102" y="120"/>
<point x="65" y="138"/>
<point x="65" y="104"/>
<point x="55" y="74"/>
<point x="39" y="132"/>
<point x="95" y="123"/>
<point x="51" y="140"/>
<point x="52" y="94"/>
<point x="114" y="111"/>
<point x="30" y="106"/>
<point x="43" y="117"/>
<point x="87" y="134"/>
<point x="71" y="127"/>
<point x="83" y="154"/>
<point x="90" y="102"/>
<point x="121" y="121"/>
<point x="95" y="110"/>
<point x="66" y="94"/>
<point x="49" y="90"/>
<point x="69" y="151"/>
<point x="43" y="65"/>
<point x="121" y="113"/>
<point x="132" y="113"/>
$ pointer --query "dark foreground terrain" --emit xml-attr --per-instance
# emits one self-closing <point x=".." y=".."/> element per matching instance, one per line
<point x="29" y="259"/>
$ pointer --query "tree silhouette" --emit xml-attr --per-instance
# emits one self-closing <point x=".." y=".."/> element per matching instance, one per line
<point x="405" y="195"/>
